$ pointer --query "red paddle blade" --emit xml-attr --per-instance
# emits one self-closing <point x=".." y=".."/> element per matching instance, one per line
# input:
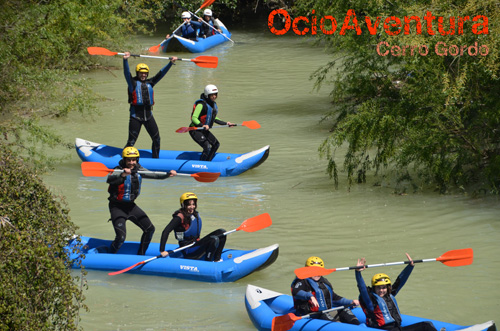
<point x="206" y="61"/>
<point x="308" y="272"/>
<point x="185" y="129"/>
<point x="206" y="177"/>
<point x="457" y="257"/>
<point x="284" y="322"/>
<point x="95" y="169"/>
<point x="154" y="49"/>
<point x="100" y="51"/>
<point x="251" y="124"/>
<point x="256" y="223"/>
<point x="206" y="4"/>
<point x="126" y="269"/>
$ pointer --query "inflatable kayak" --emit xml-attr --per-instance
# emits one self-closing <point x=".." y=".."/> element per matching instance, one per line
<point x="263" y="305"/>
<point x="181" y="161"/>
<point x="235" y="265"/>
<point x="180" y="44"/>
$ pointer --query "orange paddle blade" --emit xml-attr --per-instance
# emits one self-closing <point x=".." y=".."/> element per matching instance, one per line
<point x="206" y="177"/>
<point x="95" y="169"/>
<point x="256" y="223"/>
<point x="126" y="269"/>
<point x="284" y="322"/>
<point x="251" y="124"/>
<point x="457" y="257"/>
<point x="154" y="49"/>
<point x="206" y="61"/>
<point x="100" y="51"/>
<point x="308" y="272"/>
<point x="206" y="4"/>
<point x="185" y="129"/>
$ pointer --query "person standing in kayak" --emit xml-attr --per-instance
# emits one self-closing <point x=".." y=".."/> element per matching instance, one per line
<point x="204" y="116"/>
<point x="189" y="29"/>
<point x="379" y="301"/>
<point x="141" y="100"/>
<point x="124" y="188"/>
<point x="316" y="294"/>
<point x="186" y="224"/>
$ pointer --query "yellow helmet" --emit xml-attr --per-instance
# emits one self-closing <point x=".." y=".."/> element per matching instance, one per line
<point x="130" y="152"/>
<point x="381" y="279"/>
<point x="142" y="67"/>
<point x="188" y="196"/>
<point x="315" y="261"/>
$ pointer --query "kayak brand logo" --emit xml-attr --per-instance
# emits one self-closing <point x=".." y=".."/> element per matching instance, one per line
<point x="392" y="26"/>
<point x="189" y="268"/>
<point x="199" y="166"/>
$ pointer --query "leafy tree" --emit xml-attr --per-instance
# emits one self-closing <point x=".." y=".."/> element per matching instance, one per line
<point x="37" y="291"/>
<point x="425" y="118"/>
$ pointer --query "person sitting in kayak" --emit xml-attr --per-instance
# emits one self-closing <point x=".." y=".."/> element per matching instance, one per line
<point x="124" y="188"/>
<point x="140" y="98"/>
<point x="189" y="28"/>
<point x="204" y="116"/>
<point x="316" y="294"/>
<point x="379" y="301"/>
<point x="186" y="224"/>
<point x="209" y="25"/>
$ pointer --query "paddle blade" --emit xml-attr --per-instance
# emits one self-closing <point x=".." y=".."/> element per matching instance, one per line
<point x="256" y="223"/>
<point x="206" y="4"/>
<point x="154" y="49"/>
<point x="126" y="269"/>
<point x="206" y="61"/>
<point x="457" y="257"/>
<point x="185" y="129"/>
<point x="95" y="169"/>
<point x="100" y="51"/>
<point x="206" y="177"/>
<point x="308" y="272"/>
<point x="251" y="124"/>
<point x="284" y="322"/>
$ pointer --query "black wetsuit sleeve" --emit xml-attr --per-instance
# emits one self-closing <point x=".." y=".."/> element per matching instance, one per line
<point x="174" y="223"/>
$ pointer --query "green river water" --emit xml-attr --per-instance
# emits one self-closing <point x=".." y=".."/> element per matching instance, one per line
<point x="265" y="78"/>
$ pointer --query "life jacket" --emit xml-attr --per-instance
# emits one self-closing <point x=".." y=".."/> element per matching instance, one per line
<point x="129" y="190"/>
<point x="188" y="31"/>
<point x="192" y="229"/>
<point x="305" y="307"/>
<point x="381" y="316"/>
<point x="208" y="113"/>
<point x="207" y="30"/>
<point x="143" y="94"/>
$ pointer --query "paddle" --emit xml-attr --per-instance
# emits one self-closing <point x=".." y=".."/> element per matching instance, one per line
<point x="97" y="169"/>
<point x="203" y="21"/>
<point x="252" y="224"/>
<point x="154" y="49"/>
<point x="249" y="124"/>
<point x="201" y="61"/>
<point x="453" y="258"/>
<point x="286" y="322"/>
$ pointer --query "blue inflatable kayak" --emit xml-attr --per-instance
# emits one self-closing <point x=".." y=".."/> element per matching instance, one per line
<point x="235" y="265"/>
<point x="263" y="305"/>
<point x="180" y="44"/>
<point x="181" y="161"/>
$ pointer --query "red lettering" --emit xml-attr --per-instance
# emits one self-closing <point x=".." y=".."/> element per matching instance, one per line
<point x="418" y="24"/>
<point x="429" y="18"/>
<point x="270" y="22"/>
<point x="322" y="25"/>
<point x="346" y="25"/>
<point x="372" y="28"/>
<point x="451" y="31"/>
<point x="396" y="24"/>
<point x="484" y="25"/>
<point x="296" y="28"/>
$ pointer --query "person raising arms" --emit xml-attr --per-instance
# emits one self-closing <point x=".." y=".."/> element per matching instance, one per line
<point x="141" y="100"/>
<point x="186" y="224"/>
<point x="379" y="301"/>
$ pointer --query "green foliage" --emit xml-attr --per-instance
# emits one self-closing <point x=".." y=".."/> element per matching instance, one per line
<point x="428" y="118"/>
<point x="37" y="291"/>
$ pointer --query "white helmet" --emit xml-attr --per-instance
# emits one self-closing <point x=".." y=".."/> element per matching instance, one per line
<point x="207" y="12"/>
<point x="185" y="14"/>
<point x="210" y="89"/>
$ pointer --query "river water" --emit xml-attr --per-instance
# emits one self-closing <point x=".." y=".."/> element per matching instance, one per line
<point x="265" y="78"/>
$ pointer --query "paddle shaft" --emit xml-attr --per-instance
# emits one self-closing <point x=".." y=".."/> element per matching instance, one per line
<point x="155" y="57"/>
<point x="385" y="264"/>
<point x="323" y="311"/>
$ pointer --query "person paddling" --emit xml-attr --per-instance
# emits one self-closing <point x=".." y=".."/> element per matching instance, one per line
<point x="141" y="100"/>
<point x="379" y="301"/>
<point x="189" y="28"/>
<point x="124" y="188"/>
<point x="186" y="224"/>
<point x="204" y="115"/>
<point x="316" y="294"/>
<point x="209" y="25"/>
